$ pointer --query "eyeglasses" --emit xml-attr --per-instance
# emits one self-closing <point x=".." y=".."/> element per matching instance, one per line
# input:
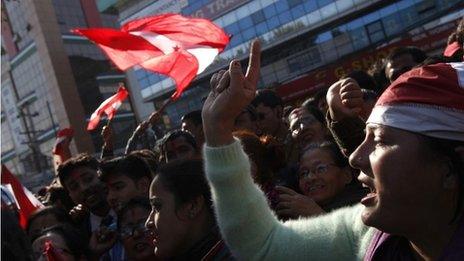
<point x="129" y="231"/>
<point x="319" y="170"/>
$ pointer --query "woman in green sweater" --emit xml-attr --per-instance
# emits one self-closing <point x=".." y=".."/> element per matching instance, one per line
<point x="410" y="159"/>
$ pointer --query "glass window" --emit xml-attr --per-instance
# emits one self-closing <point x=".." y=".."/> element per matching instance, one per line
<point x="273" y="22"/>
<point x="323" y="37"/>
<point x="359" y="38"/>
<point x="249" y="34"/>
<point x="310" y="6"/>
<point x="322" y="3"/>
<point x="232" y="28"/>
<point x="293" y="3"/>
<point x="236" y="40"/>
<point x="314" y="17"/>
<point x="281" y="5"/>
<point x="261" y="28"/>
<point x="408" y="16"/>
<point x="297" y="12"/>
<point x="375" y="31"/>
<point x="285" y="17"/>
<point x="343" y="5"/>
<point x="388" y="10"/>
<point x="392" y="24"/>
<point x="328" y="10"/>
<point x="258" y="17"/>
<point x="245" y="23"/>
<point x="269" y="11"/>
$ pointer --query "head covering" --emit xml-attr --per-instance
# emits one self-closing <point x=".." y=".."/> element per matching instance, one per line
<point x="428" y="100"/>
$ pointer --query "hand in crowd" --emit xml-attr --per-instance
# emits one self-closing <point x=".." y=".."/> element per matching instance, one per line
<point x="107" y="134"/>
<point x="154" y="117"/>
<point x="142" y="127"/>
<point x="102" y="241"/>
<point x="345" y="99"/>
<point x="78" y="213"/>
<point x="231" y="92"/>
<point x="294" y="205"/>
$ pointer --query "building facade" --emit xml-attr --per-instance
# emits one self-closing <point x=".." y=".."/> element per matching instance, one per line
<point x="51" y="79"/>
<point x="307" y="44"/>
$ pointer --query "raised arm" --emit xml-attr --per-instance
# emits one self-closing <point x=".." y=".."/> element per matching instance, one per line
<point x="247" y="224"/>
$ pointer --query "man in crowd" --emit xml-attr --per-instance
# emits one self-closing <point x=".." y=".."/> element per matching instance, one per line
<point x="179" y="144"/>
<point x="401" y="60"/>
<point x="192" y="122"/>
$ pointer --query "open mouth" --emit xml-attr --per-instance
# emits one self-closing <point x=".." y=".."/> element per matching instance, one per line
<point x="371" y="197"/>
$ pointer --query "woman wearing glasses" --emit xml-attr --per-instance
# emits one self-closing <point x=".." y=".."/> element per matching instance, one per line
<point x="326" y="182"/>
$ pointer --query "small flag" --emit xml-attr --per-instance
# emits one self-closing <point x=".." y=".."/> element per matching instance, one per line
<point x="109" y="107"/>
<point x="170" y="44"/>
<point x="60" y="137"/>
<point x="451" y="49"/>
<point x="25" y="200"/>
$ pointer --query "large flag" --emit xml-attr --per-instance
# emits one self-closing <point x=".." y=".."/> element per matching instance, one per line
<point x="60" y="137"/>
<point x="109" y="107"/>
<point x="25" y="200"/>
<point x="170" y="44"/>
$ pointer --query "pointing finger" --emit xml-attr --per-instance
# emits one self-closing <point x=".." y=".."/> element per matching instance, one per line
<point x="254" y="63"/>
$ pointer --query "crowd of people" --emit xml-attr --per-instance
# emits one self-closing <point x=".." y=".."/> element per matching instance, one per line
<point x="370" y="168"/>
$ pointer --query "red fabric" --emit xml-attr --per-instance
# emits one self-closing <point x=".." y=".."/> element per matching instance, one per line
<point x="50" y="252"/>
<point x="436" y="84"/>
<point x="109" y="107"/>
<point x="451" y="49"/>
<point x="127" y="49"/>
<point x="25" y="201"/>
<point x="60" y="137"/>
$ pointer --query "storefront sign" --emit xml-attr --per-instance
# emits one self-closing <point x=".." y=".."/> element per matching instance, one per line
<point x="217" y="8"/>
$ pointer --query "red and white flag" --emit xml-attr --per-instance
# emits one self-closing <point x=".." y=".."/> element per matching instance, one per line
<point x="25" y="200"/>
<point x="170" y="44"/>
<point x="109" y="107"/>
<point x="61" y="136"/>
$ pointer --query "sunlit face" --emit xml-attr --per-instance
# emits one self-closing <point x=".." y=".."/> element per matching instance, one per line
<point x="404" y="177"/>
<point x="61" y="250"/>
<point x="138" y="243"/>
<point x="85" y="188"/>
<point x="167" y="222"/>
<point x="269" y="119"/>
<point x="319" y="177"/>
<point x="121" y="189"/>
<point x="305" y="128"/>
<point x="180" y="148"/>
<point x="41" y="223"/>
<point x="398" y="66"/>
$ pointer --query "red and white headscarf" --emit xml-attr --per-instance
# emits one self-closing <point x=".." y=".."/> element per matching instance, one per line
<point x="427" y="100"/>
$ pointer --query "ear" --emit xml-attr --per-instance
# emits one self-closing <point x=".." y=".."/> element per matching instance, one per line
<point x="143" y="185"/>
<point x="191" y="209"/>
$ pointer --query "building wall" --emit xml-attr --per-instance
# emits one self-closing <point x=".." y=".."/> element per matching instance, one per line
<point x="297" y="36"/>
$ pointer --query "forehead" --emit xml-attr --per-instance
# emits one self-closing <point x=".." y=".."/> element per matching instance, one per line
<point x="400" y="60"/>
<point x="55" y="238"/>
<point x="79" y="172"/>
<point x="315" y="156"/>
<point x="118" y="177"/>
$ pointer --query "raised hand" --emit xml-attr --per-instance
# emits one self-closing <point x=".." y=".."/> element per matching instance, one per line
<point x="231" y="92"/>
<point x="294" y="205"/>
<point x="345" y="99"/>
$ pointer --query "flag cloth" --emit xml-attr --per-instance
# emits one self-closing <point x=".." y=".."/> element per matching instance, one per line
<point x="109" y="107"/>
<point x="60" y="137"/>
<point x="170" y="44"/>
<point x="25" y="200"/>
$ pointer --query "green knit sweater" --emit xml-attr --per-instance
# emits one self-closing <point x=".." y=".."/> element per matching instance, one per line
<point x="253" y="232"/>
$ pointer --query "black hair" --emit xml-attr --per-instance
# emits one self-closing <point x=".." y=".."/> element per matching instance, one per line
<point x="364" y="80"/>
<point x="60" y="215"/>
<point x="194" y="117"/>
<point x="268" y="98"/>
<point x="339" y="159"/>
<point x="418" y="55"/>
<point x="172" y="135"/>
<point x="57" y="193"/>
<point x="81" y="160"/>
<point x="186" y="180"/>
<point x="137" y="202"/>
<point x="313" y="111"/>
<point x="131" y="166"/>
<point x="73" y="238"/>
<point x="447" y="148"/>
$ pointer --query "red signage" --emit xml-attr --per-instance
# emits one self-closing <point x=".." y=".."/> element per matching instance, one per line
<point x="428" y="41"/>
